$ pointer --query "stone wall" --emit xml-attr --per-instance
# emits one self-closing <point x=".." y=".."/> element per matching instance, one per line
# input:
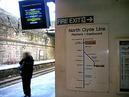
<point x="14" y="41"/>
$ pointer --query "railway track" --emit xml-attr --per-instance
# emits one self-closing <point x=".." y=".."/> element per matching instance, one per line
<point x="17" y="79"/>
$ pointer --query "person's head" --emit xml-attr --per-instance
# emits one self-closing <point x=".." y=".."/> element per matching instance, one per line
<point x="26" y="54"/>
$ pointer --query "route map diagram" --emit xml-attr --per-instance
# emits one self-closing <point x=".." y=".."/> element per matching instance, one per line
<point x="87" y="58"/>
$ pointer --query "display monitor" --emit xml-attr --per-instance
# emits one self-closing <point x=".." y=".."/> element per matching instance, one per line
<point x="34" y="14"/>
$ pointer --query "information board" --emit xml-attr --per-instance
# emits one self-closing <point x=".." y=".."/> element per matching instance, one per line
<point x="87" y="57"/>
<point x="34" y="14"/>
<point x="124" y="65"/>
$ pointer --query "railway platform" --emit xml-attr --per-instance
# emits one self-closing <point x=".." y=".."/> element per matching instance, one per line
<point x="41" y="86"/>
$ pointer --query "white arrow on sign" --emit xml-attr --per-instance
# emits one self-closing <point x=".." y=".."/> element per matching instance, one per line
<point x="90" y="19"/>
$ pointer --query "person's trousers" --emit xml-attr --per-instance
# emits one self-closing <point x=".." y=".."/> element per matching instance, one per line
<point x="26" y="82"/>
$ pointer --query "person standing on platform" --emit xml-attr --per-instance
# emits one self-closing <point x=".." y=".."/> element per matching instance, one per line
<point x="26" y="69"/>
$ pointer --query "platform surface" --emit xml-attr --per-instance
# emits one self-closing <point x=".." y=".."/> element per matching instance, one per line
<point x="6" y="66"/>
<point x="42" y="86"/>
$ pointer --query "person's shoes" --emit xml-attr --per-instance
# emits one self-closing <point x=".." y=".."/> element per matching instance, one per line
<point x="27" y="96"/>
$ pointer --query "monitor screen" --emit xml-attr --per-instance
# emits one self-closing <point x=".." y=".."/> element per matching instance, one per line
<point x="34" y="14"/>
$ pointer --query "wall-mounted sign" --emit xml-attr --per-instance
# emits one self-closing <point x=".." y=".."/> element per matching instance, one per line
<point x="75" y="20"/>
<point x="34" y="14"/>
<point x="124" y="65"/>
<point x="87" y="57"/>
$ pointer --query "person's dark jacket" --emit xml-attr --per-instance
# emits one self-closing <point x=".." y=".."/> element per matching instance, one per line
<point x="26" y="66"/>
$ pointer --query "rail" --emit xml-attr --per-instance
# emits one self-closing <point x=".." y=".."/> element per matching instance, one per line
<point x="10" y="75"/>
<point x="4" y="67"/>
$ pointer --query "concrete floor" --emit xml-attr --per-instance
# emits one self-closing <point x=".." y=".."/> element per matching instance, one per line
<point x="42" y="86"/>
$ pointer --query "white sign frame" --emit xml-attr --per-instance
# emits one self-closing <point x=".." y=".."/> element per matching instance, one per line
<point x="102" y="88"/>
